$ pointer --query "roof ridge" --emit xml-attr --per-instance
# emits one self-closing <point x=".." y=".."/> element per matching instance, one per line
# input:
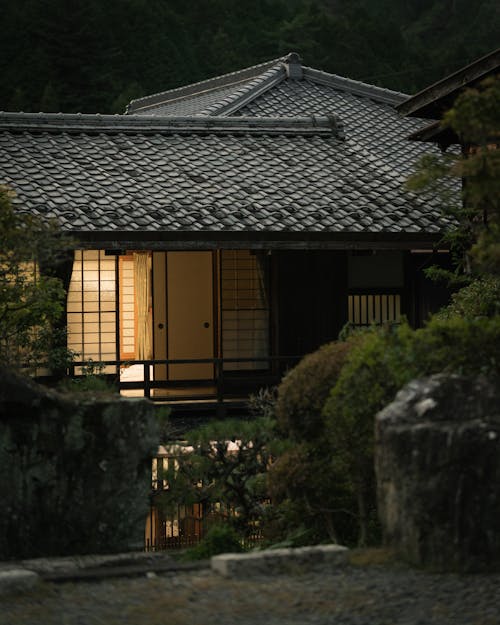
<point x="97" y="123"/>
<point x="381" y="94"/>
<point x="196" y="88"/>
<point x="251" y="90"/>
<point x="258" y="79"/>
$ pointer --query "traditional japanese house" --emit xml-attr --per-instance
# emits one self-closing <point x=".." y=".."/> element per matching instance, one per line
<point x="236" y="224"/>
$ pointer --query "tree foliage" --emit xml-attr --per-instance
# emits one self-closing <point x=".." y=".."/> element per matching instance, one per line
<point x="480" y="298"/>
<point x="223" y="463"/>
<point x="31" y="299"/>
<point x="374" y="371"/>
<point x="475" y="120"/>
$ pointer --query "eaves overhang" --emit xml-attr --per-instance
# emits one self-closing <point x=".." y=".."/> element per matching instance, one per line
<point x="267" y="240"/>
<point x="433" y="101"/>
<point x="436" y="133"/>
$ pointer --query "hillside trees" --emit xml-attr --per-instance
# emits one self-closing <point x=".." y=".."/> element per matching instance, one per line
<point x="91" y="57"/>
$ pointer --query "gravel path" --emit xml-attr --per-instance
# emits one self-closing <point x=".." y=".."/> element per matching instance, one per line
<point x="350" y="595"/>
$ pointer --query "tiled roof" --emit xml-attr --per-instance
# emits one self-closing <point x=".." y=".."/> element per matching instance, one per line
<point x="274" y="148"/>
<point x="197" y="174"/>
<point x="370" y="125"/>
<point x="284" y="87"/>
<point x="194" y="98"/>
<point x="228" y="94"/>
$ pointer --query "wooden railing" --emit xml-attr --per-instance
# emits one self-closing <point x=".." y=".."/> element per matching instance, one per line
<point x="225" y="384"/>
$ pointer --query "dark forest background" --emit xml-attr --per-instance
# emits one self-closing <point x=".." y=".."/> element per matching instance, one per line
<point x="96" y="55"/>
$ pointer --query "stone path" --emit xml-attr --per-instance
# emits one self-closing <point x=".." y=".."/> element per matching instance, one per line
<point x="332" y="595"/>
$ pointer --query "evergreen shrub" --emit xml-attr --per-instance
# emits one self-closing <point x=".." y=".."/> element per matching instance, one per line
<point x="219" y="539"/>
<point x="376" y="367"/>
<point x="480" y="298"/>
<point x="379" y="363"/>
<point x="299" y="479"/>
<point x="304" y="389"/>
<point x="225" y="463"/>
<point x="458" y="345"/>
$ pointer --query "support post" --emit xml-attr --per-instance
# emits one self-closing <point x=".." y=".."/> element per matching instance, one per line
<point x="147" y="381"/>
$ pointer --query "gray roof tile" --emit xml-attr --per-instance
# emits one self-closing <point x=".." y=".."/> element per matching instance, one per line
<point x="248" y="182"/>
<point x="367" y="112"/>
<point x="191" y="99"/>
<point x="322" y="154"/>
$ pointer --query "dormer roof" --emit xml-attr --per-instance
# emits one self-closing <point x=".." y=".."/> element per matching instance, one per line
<point x="285" y="88"/>
<point x="229" y="93"/>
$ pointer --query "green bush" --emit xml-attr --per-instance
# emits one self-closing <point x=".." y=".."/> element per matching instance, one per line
<point x="323" y="484"/>
<point x="457" y="345"/>
<point x="299" y="481"/>
<point x="481" y="298"/>
<point x="379" y="363"/>
<point x="304" y="389"/>
<point x="219" y="539"/>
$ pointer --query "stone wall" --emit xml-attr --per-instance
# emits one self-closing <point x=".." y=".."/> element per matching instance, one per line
<point x="438" y="472"/>
<point x="75" y="470"/>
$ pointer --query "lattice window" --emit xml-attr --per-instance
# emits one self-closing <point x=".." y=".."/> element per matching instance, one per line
<point x="367" y="309"/>
<point x="92" y="306"/>
<point x="245" y="308"/>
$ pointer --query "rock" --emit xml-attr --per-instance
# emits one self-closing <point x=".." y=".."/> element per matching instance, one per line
<point x="275" y="561"/>
<point x="75" y="470"/>
<point x="72" y="564"/>
<point x="437" y="462"/>
<point x="16" y="580"/>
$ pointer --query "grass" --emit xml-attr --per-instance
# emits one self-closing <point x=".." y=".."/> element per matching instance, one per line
<point x="373" y="556"/>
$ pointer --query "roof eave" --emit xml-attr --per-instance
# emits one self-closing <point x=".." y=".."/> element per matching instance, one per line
<point x="258" y="240"/>
<point x="436" y="133"/>
<point x="430" y="102"/>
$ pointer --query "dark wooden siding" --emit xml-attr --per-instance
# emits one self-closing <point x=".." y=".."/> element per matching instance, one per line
<point x="309" y="296"/>
<point x="310" y="299"/>
<point x="425" y="296"/>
